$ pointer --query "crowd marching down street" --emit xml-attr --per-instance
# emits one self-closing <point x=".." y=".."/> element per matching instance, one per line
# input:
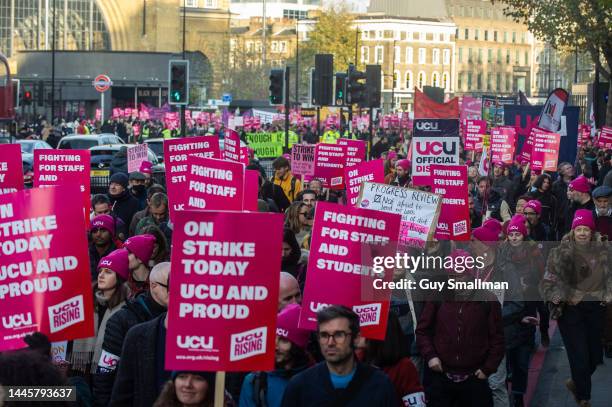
<point x="421" y="265"/>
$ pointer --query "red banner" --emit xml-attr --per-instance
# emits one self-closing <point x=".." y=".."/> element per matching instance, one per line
<point x="225" y="276"/>
<point x="450" y="181"/>
<point x="425" y="108"/>
<point x="45" y="283"/>
<point x="503" y="144"/>
<point x="605" y="138"/>
<point x="355" y="150"/>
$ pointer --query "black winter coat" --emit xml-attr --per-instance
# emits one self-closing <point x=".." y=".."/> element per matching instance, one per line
<point x="136" y="383"/>
<point x="135" y="311"/>
<point x="313" y="387"/>
<point x="124" y="206"/>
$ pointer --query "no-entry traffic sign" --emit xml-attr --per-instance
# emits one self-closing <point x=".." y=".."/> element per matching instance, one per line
<point x="102" y="83"/>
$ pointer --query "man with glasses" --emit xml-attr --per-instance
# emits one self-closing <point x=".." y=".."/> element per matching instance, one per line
<point x="143" y="308"/>
<point x="102" y="232"/>
<point x="340" y="380"/>
<point x="537" y="230"/>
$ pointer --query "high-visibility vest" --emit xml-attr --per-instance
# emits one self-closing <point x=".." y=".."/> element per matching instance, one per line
<point x="145" y="132"/>
<point x="330" y="137"/>
<point x="166" y="133"/>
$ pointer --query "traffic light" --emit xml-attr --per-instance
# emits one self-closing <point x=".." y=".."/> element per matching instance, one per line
<point x="324" y="72"/>
<point x="277" y="86"/>
<point x="373" y="86"/>
<point x="178" y="82"/>
<point x="355" y="90"/>
<point x="314" y="87"/>
<point x="340" y="93"/>
<point x="27" y="97"/>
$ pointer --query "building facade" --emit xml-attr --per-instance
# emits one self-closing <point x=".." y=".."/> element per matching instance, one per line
<point x="275" y="9"/>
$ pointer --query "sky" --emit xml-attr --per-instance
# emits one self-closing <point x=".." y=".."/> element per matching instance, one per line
<point x="361" y="5"/>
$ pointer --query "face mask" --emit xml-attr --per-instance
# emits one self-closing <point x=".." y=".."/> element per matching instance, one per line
<point x="139" y="189"/>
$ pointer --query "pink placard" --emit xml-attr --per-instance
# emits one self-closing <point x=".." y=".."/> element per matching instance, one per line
<point x="343" y="240"/>
<point x="471" y="108"/>
<point x="251" y="190"/>
<point x="329" y="165"/>
<point x="11" y="168"/>
<point x="213" y="185"/>
<point x="45" y="283"/>
<point x="373" y="171"/>
<point x="225" y="276"/>
<point x="584" y="134"/>
<point x="527" y="148"/>
<point x="64" y="167"/>
<point x="176" y="155"/>
<point x="432" y="150"/>
<point x="605" y="138"/>
<point x="545" y="152"/>
<point x="474" y="133"/>
<point x="302" y="159"/>
<point x="450" y="181"/>
<point x="231" y="145"/>
<point x="136" y="156"/>
<point x="355" y="150"/>
<point x="503" y="144"/>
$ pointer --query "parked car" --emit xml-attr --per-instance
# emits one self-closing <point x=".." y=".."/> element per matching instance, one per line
<point x="157" y="145"/>
<point x="85" y="142"/>
<point x="28" y="146"/>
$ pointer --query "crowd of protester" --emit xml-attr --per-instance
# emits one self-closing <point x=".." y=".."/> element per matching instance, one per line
<point x="544" y="233"/>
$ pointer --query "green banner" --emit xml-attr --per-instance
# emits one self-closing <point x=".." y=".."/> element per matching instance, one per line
<point x="270" y="145"/>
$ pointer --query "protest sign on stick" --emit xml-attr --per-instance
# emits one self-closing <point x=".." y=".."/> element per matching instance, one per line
<point x="214" y="185"/>
<point x="373" y="171"/>
<point x="302" y="159"/>
<point x="545" y="151"/>
<point x="329" y="165"/>
<point x="11" y="168"/>
<point x="136" y="155"/>
<point x="450" y="181"/>
<point x="503" y="143"/>
<point x="419" y="210"/>
<point x="355" y="150"/>
<point x="345" y="241"/>
<point x="432" y="150"/>
<point x="225" y="276"/>
<point x="45" y="282"/>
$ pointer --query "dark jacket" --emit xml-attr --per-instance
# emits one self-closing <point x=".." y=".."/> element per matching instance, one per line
<point x="135" y="311"/>
<point x="94" y="259"/>
<point x="465" y="335"/>
<point x="124" y="206"/>
<point x="603" y="224"/>
<point x="313" y="387"/>
<point x="136" y="383"/>
<point x="136" y="218"/>
<point x="119" y="162"/>
<point x="505" y="185"/>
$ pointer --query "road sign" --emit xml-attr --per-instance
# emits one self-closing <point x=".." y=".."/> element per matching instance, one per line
<point x="227" y="98"/>
<point x="102" y="83"/>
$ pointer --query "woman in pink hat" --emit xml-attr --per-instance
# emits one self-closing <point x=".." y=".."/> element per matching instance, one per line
<point x="578" y="284"/>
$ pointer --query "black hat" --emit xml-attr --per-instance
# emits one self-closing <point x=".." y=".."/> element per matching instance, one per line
<point x="119" y="178"/>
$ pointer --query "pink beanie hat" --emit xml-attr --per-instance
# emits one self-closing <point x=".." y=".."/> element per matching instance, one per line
<point x="517" y="224"/>
<point x="103" y="222"/>
<point x="146" y="167"/>
<point x="488" y="232"/>
<point x="583" y="217"/>
<point x="405" y="164"/>
<point x="141" y="246"/>
<point x="535" y="205"/>
<point x="494" y="225"/>
<point x="459" y="253"/>
<point x="580" y="184"/>
<point x="287" y="326"/>
<point x="116" y="261"/>
<point x="391" y="155"/>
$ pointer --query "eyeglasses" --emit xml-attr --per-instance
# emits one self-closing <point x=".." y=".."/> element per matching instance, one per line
<point x="529" y="213"/>
<point x="339" y="336"/>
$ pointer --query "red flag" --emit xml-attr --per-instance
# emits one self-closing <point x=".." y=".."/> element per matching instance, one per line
<point x="425" y="108"/>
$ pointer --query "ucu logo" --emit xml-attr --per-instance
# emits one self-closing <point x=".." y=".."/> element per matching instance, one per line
<point x="249" y="337"/>
<point x="109" y="360"/>
<point x="106" y="263"/>
<point x="194" y="342"/>
<point x="67" y="307"/>
<point x="427" y="126"/>
<point x="282" y="332"/>
<point x="317" y="306"/>
<point x="436" y="147"/>
<point x="17" y="321"/>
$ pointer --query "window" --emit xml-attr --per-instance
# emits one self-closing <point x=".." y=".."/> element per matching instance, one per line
<point x="522" y="38"/>
<point x="480" y="55"/>
<point x="469" y="81"/>
<point x="446" y="57"/>
<point x="416" y="36"/>
<point x="379" y="34"/>
<point x="490" y="81"/>
<point x="211" y="4"/>
<point x="445" y="81"/>
<point x="396" y="76"/>
<point x="435" y="56"/>
<point x="409" y="35"/>
<point x="249" y="46"/>
<point x="489" y="55"/>
<point x="365" y="55"/>
<point x="469" y="54"/>
<point x="378" y="54"/>
<point x="397" y="53"/>
<point x="409" y="80"/>
<point x="479" y="81"/>
<point x="466" y="34"/>
<point x="498" y="82"/>
<point x="460" y="55"/>
<point x="486" y="35"/>
<point x="365" y="35"/>
<point x="422" y="55"/>
<point x="516" y="57"/>
<point x="476" y="34"/>
<point x="505" y="36"/>
<point x="295" y="14"/>
<point x="508" y="83"/>
<point x="514" y="37"/>
<point x="403" y="36"/>
<point x="435" y="79"/>
<point x="507" y="56"/>
<point x="526" y="57"/>
<point x="409" y="56"/>
<point x="499" y="56"/>
<point x="460" y="81"/>
<point x="191" y="3"/>
<point x="282" y="46"/>
<point x="421" y="79"/>
<point x="274" y="46"/>
<point x="441" y="37"/>
<point x="495" y="36"/>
